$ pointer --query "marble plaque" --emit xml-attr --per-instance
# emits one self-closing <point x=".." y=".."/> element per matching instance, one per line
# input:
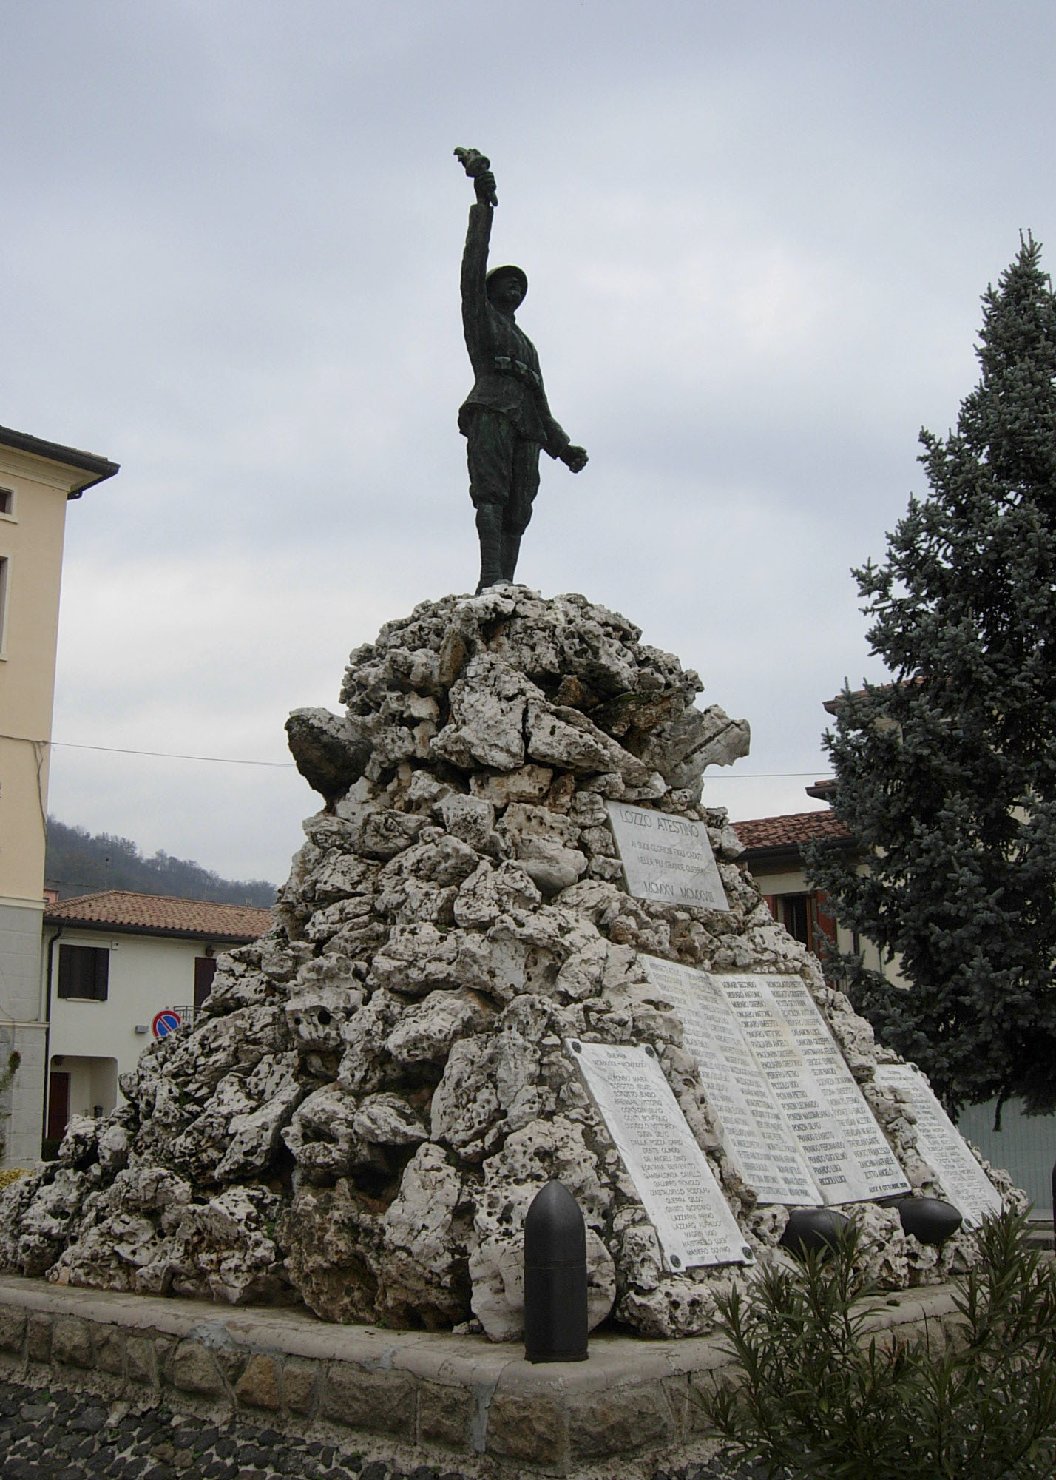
<point x="755" y="1132"/>
<point x="666" y="858"/>
<point x="942" y="1146"/>
<point x="836" y="1130"/>
<point x="670" y="1172"/>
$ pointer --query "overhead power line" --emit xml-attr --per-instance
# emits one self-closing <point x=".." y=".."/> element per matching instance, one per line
<point x="173" y="755"/>
<point x="164" y="755"/>
<point x="768" y="776"/>
<point x="231" y="760"/>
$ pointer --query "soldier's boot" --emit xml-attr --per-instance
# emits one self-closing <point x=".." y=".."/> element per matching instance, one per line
<point x="511" y="545"/>
<point x="489" y="529"/>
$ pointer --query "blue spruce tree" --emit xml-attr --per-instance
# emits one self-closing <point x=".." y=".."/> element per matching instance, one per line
<point x="946" y="775"/>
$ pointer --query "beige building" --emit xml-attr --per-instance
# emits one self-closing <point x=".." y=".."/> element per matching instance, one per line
<point x="119" y="970"/>
<point x="774" y="855"/>
<point x="37" y="480"/>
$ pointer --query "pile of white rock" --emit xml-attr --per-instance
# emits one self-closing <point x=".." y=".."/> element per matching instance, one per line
<point x="376" y="1090"/>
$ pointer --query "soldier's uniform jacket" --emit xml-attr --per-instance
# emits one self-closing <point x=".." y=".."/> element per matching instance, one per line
<point x="504" y="359"/>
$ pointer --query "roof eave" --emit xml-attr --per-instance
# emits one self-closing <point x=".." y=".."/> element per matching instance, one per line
<point x="112" y="927"/>
<point x="97" y="468"/>
<point x="790" y="852"/>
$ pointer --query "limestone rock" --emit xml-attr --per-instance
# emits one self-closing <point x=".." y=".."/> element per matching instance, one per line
<point x="542" y="1150"/>
<point x="491" y="893"/>
<point x="331" y="1246"/>
<point x="375" y="1091"/>
<point x="273" y="1091"/>
<point x="418" y="959"/>
<point x="318" y="1009"/>
<point x="471" y="820"/>
<point x="486" y="728"/>
<point x="424" y="1239"/>
<point x="526" y="784"/>
<point x="322" y="1136"/>
<point x="682" y="748"/>
<point x="387" y="1120"/>
<point x="428" y="1031"/>
<point x="329" y="753"/>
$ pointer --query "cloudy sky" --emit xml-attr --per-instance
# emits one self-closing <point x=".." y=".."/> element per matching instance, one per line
<point x="756" y="233"/>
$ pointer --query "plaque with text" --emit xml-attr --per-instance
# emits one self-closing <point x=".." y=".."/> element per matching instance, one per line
<point x="666" y="858"/>
<point x="754" y="1130"/>
<point x="835" y="1128"/>
<point x="943" y="1147"/>
<point x="670" y="1172"/>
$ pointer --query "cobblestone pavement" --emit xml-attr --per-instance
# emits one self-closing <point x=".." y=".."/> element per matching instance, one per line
<point x="51" y="1434"/>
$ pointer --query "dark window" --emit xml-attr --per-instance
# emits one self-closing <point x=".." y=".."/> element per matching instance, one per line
<point x="204" y="971"/>
<point x="795" y="909"/>
<point x="84" y="971"/>
<point x="807" y="917"/>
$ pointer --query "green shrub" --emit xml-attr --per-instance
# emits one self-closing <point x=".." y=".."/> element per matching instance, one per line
<point x="813" y="1396"/>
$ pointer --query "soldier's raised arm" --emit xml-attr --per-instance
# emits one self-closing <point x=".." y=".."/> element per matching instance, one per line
<point x="475" y="255"/>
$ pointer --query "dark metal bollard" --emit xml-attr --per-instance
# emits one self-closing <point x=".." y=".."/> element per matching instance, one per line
<point x="555" y="1278"/>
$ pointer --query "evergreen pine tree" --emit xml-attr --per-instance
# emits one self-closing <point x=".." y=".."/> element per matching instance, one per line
<point x="946" y="776"/>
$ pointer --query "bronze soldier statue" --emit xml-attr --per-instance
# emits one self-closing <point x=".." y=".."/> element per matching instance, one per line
<point x="505" y="418"/>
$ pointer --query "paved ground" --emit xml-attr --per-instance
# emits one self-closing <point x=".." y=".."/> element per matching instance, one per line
<point x="51" y="1434"/>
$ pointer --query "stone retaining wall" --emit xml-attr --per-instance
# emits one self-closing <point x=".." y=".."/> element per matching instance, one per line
<point x="460" y="1400"/>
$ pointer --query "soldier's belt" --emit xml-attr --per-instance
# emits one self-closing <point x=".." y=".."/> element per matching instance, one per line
<point x="506" y="365"/>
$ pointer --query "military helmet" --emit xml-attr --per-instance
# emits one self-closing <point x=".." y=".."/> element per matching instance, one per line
<point x="509" y="271"/>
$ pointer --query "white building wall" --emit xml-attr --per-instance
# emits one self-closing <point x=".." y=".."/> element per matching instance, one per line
<point x="778" y="882"/>
<point x="93" y="1082"/>
<point x="96" y="1041"/>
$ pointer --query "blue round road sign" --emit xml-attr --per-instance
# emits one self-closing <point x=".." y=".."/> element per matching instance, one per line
<point x="165" y="1022"/>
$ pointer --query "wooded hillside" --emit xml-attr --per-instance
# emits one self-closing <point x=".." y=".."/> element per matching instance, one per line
<point x="80" y="862"/>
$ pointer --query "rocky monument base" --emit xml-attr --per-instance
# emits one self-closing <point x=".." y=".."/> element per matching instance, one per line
<point x="376" y="1090"/>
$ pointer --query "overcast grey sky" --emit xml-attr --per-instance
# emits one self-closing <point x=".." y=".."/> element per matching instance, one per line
<point x="756" y="234"/>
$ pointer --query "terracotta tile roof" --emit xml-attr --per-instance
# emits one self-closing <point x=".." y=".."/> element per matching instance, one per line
<point x="790" y="831"/>
<point x="158" y="914"/>
<point x="832" y="706"/>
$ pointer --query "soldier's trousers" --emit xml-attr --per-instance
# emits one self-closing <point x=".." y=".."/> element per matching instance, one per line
<point x="503" y="468"/>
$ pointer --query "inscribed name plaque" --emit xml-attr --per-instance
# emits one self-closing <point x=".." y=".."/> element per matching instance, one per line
<point x="844" y="1147"/>
<point x="670" y="1173"/>
<point x="666" y="858"/>
<point x="942" y="1146"/>
<point x="753" y="1127"/>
